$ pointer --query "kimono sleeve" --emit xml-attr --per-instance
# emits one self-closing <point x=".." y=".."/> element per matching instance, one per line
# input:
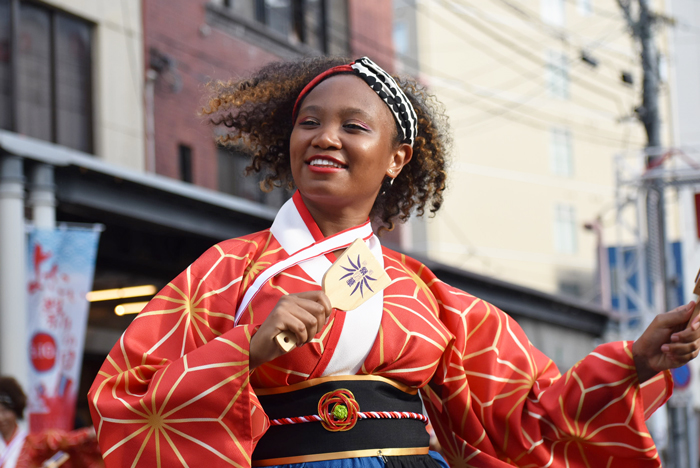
<point x="174" y="391"/>
<point x="496" y="400"/>
<point x="80" y="445"/>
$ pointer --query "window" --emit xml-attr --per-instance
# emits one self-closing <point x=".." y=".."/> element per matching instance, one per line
<point x="337" y="26"/>
<point x="553" y="12"/>
<point x="561" y="154"/>
<point x="244" y="8"/>
<point x="565" y="229"/>
<point x="185" y="158"/>
<point x="320" y="24"/>
<point x="401" y="39"/>
<point x="584" y="7"/>
<point x="557" y="71"/>
<point x="232" y="180"/>
<point x="46" y="89"/>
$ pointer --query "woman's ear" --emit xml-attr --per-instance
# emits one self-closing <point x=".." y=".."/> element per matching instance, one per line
<point x="402" y="155"/>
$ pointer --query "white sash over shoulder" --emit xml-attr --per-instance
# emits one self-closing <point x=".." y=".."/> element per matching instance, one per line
<point x="10" y="453"/>
<point x="362" y="324"/>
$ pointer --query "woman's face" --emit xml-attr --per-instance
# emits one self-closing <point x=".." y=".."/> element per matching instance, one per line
<point x="8" y="421"/>
<point x="343" y="145"/>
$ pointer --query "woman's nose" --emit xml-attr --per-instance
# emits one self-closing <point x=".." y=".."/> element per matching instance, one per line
<point x="326" y="137"/>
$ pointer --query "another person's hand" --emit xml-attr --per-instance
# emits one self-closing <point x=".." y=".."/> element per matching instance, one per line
<point x="303" y="314"/>
<point x="668" y="342"/>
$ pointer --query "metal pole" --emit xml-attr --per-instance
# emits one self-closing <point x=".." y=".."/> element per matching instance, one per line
<point x="42" y="198"/>
<point x="13" y="282"/>
<point x="656" y="216"/>
<point x="648" y="114"/>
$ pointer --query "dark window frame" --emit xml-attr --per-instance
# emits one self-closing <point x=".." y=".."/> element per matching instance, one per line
<point x="184" y="154"/>
<point x="257" y="25"/>
<point x="53" y="38"/>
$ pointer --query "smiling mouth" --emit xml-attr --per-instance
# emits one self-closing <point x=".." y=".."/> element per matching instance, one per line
<point x="324" y="162"/>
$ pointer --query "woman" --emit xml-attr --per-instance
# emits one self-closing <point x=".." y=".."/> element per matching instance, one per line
<point x="198" y="378"/>
<point x="12" y="404"/>
<point x="18" y="449"/>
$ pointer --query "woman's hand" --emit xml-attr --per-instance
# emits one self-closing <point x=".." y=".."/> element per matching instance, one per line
<point x="303" y="314"/>
<point x="668" y="342"/>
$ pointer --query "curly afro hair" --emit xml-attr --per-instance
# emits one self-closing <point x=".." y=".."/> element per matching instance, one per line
<point x="12" y="396"/>
<point x="255" y="116"/>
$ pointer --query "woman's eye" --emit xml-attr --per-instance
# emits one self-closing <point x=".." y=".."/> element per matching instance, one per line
<point x="308" y="122"/>
<point x="355" y="126"/>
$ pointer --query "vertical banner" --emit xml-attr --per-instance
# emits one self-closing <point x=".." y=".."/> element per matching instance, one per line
<point x="60" y="273"/>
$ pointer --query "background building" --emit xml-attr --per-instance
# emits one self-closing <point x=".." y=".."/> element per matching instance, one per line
<point x="70" y="81"/>
<point x="541" y="97"/>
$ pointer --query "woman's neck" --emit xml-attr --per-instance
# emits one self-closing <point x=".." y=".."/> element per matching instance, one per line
<point x="336" y="219"/>
<point x="336" y="224"/>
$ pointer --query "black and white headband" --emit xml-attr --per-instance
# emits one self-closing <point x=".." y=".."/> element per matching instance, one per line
<point x="383" y="84"/>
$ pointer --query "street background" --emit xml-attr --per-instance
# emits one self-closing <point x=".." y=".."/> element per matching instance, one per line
<point x="574" y="194"/>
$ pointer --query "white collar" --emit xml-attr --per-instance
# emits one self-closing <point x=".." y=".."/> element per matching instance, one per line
<point x="294" y="235"/>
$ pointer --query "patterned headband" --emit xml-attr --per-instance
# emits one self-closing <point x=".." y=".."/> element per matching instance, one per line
<point x="383" y="84"/>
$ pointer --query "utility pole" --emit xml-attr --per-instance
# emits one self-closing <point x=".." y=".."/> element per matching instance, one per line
<point x="642" y="28"/>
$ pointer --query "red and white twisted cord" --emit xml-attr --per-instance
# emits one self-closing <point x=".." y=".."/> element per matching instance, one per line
<point x="360" y="415"/>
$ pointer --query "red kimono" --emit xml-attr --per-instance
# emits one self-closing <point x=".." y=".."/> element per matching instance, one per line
<point x="176" y="389"/>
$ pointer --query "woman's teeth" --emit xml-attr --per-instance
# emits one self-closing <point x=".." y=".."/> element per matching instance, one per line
<point x="325" y="163"/>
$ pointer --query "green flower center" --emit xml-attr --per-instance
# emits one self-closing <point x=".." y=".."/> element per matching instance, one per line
<point x="340" y="412"/>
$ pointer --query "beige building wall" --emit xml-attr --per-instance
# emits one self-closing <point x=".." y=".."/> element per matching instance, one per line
<point x="535" y="129"/>
<point x="117" y="77"/>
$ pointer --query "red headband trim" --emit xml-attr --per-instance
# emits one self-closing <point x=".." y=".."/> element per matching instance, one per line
<point x="313" y="83"/>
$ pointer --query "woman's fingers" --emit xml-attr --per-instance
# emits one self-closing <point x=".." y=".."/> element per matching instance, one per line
<point x="692" y="333"/>
<point x="312" y="311"/>
<point x="680" y="349"/>
<point x="296" y="326"/>
<point x="677" y="360"/>
<point x="303" y="315"/>
<point x="311" y="320"/>
<point x="321" y="304"/>
<point x="691" y="328"/>
<point x="669" y="341"/>
<point x="676" y="317"/>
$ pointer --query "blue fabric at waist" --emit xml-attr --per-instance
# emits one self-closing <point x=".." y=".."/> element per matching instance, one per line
<point x="364" y="462"/>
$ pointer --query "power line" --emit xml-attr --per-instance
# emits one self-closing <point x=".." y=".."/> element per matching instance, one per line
<point x="479" y="45"/>
<point x="543" y="121"/>
<point x="527" y="74"/>
<point x="558" y="33"/>
<point x="524" y="52"/>
<point x="473" y="123"/>
<point x="512" y="105"/>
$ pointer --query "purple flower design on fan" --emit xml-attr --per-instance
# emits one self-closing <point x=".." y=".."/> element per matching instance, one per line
<point x="358" y="275"/>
